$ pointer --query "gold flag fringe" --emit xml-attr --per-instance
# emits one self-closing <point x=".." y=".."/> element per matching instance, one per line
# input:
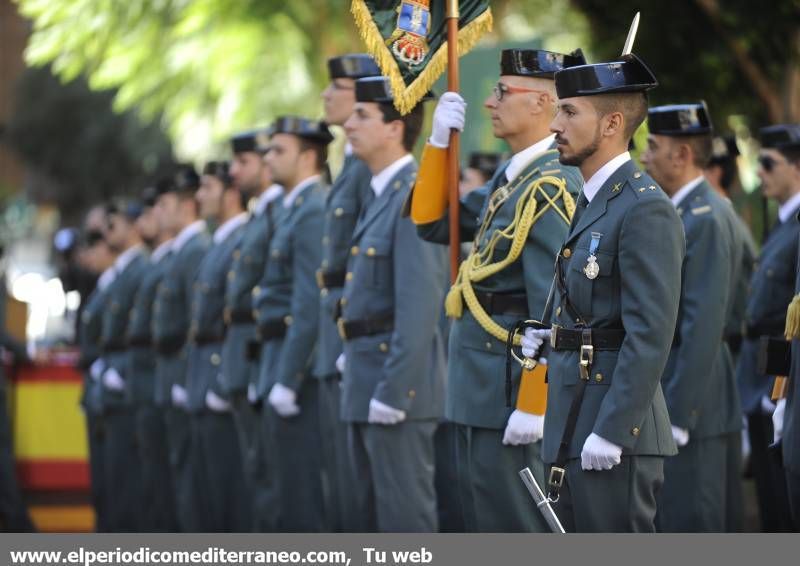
<point x="407" y="97"/>
<point x="793" y="319"/>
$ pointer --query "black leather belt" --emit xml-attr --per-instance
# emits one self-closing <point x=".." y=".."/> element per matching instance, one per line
<point x="205" y="340"/>
<point x="169" y="346"/>
<point x="349" y="329"/>
<point x="272" y="329"/>
<point x="602" y="339"/>
<point x="330" y="279"/>
<point x="756" y="331"/>
<point x="140" y="342"/>
<point x="242" y="317"/>
<point x="113" y="347"/>
<point x="503" y="303"/>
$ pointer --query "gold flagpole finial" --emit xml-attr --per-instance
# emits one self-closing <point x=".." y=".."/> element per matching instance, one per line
<point x="631" y="36"/>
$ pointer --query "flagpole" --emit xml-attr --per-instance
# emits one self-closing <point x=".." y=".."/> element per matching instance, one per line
<point x="453" y="150"/>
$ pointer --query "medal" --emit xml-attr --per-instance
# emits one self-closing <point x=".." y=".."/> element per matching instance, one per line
<point x="591" y="270"/>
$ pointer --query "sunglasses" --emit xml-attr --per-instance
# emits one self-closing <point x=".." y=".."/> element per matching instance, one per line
<point x="500" y="90"/>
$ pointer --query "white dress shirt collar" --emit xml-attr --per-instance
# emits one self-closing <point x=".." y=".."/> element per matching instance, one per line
<point x="789" y="208"/>
<point x="288" y="200"/>
<point x="684" y="191"/>
<point x="227" y="228"/>
<point x="187" y="234"/>
<point x="125" y="258"/>
<point x="269" y="195"/>
<point x="348" y="149"/>
<point x="380" y="181"/>
<point x="522" y="158"/>
<point x="160" y="251"/>
<point x="106" y="278"/>
<point x="595" y="183"/>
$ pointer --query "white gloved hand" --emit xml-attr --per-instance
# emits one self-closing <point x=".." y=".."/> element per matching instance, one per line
<point x="340" y="361"/>
<point x="599" y="454"/>
<point x="216" y="403"/>
<point x="112" y="380"/>
<point x="449" y="115"/>
<point x="681" y="435"/>
<point x="252" y="394"/>
<point x="767" y="405"/>
<point x="97" y="368"/>
<point x="532" y="340"/>
<point x="777" y="420"/>
<point x="381" y="413"/>
<point x="179" y="396"/>
<point x="523" y="428"/>
<point x="283" y="400"/>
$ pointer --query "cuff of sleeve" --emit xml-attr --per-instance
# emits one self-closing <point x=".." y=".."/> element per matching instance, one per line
<point x="429" y="196"/>
<point x="389" y="395"/>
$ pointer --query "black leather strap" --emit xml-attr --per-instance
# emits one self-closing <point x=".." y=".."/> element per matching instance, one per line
<point x="350" y="329"/>
<point x="602" y="339"/>
<point x="503" y="303"/>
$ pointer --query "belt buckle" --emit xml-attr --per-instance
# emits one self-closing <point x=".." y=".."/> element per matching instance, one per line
<point x="320" y="279"/>
<point x="341" y="329"/>
<point x="556" y="477"/>
<point x="554" y="336"/>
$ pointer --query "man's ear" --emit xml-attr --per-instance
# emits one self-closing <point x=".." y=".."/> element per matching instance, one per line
<point x="613" y="123"/>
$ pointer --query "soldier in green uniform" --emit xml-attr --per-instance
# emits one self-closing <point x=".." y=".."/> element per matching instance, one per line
<point x="171" y="311"/>
<point x="517" y="222"/>
<point x="393" y="380"/>
<point x="158" y="509"/>
<point x="99" y="259"/>
<point x="618" y="276"/>
<point x="215" y="444"/>
<point x="286" y="305"/>
<point x="346" y="197"/>
<point x="122" y="474"/>
<point x="771" y="290"/>
<point x="240" y="350"/>
<point x="699" y="383"/>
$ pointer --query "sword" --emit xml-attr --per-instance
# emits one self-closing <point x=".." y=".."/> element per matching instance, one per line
<point x="541" y="501"/>
<point x="631" y="36"/>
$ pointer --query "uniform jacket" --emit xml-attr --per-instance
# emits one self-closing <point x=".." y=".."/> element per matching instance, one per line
<point x="288" y="290"/>
<point x="393" y="273"/>
<point x="639" y="256"/>
<point x="791" y="422"/>
<point x="771" y="290"/>
<point x="346" y="197"/>
<point x="697" y="383"/>
<point x="477" y="363"/>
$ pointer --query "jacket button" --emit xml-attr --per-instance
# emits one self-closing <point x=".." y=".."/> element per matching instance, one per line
<point x="637" y="174"/>
<point x="567" y="253"/>
<point x="231" y="276"/>
<point x="598" y="378"/>
<point x="354" y="250"/>
<point x="558" y="311"/>
<point x="488" y="345"/>
<point x="215" y="359"/>
<point x="343" y="301"/>
<point x="323" y="293"/>
<point x="384" y="347"/>
<point x="276" y="253"/>
<point x="635" y="431"/>
<point x="348" y="276"/>
<point x="338" y="212"/>
<point x="324" y="264"/>
<point x="412" y="393"/>
<point x="287" y="320"/>
<point x="371" y="252"/>
<point x="256" y="291"/>
<point x="326" y="240"/>
<point x="254" y="312"/>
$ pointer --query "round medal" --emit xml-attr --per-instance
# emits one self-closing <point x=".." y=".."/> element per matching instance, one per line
<point x="591" y="269"/>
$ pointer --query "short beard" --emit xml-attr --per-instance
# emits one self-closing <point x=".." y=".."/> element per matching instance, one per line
<point x="584" y="154"/>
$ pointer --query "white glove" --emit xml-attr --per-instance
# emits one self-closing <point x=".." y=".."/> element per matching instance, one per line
<point x="767" y="405"/>
<point x="112" y="380"/>
<point x="777" y="420"/>
<point x="252" y="394"/>
<point x="449" y="115"/>
<point x="216" y="403"/>
<point x="340" y="361"/>
<point x="681" y="435"/>
<point x="97" y="368"/>
<point x="532" y="340"/>
<point x="523" y="428"/>
<point x="381" y="413"/>
<point x="283" y="400"/>
<point x="179" y="396"/>
<point x="599" y="454"/>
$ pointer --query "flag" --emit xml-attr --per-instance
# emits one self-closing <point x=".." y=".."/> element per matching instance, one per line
<point x="408" y="39"/>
